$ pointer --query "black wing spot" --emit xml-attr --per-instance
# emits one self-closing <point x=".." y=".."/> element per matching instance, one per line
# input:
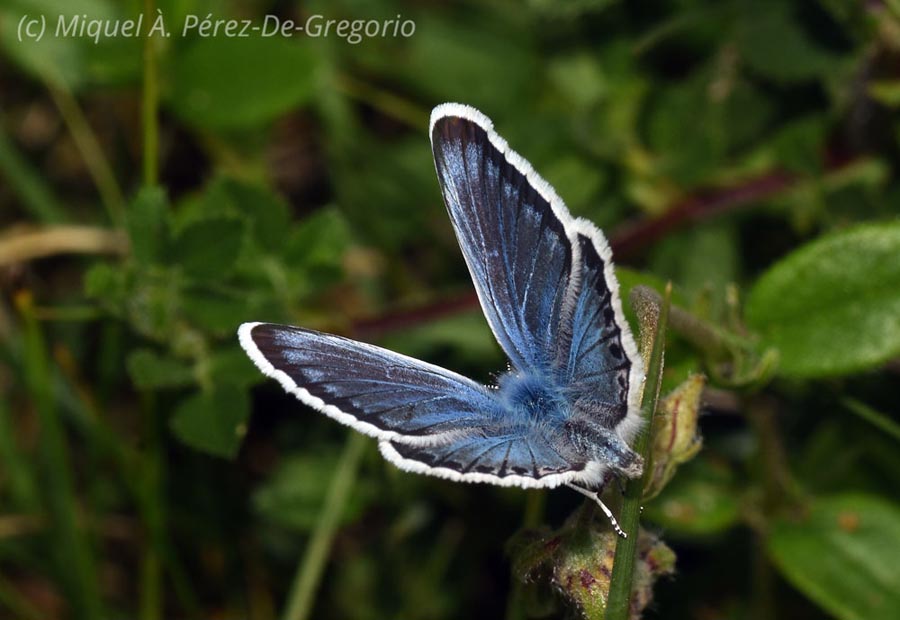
<point x="616" y="350"/>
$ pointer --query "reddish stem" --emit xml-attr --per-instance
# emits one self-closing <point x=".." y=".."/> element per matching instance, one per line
<point x="627" y="241"/>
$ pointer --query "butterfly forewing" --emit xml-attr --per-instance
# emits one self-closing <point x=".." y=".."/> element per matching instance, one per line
<point x="515" y="246"/>
<point x="376" y="391"/>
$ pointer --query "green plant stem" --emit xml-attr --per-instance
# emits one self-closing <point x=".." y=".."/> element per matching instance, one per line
<point x="94" y="159"/>
<point x="778" y="489"/>
<point x="33" y="192"/>
<point x="152" y="498"/>
<point x="384" y="101"/>
<point x="763" y="600"/>
<point x="873" y="417"/>
<point x="619" y="602"/>
<point x="779" y="486"/>
<point x="152" y="504"/>
<point x="309" y="573"/>
<point x="72" y="547"/>
<point x="150" y="103"/>
<point x="22" y="487"/>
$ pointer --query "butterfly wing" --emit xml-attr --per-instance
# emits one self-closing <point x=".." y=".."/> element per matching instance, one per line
<point x="510" y="227"/>
<point x="429" y="420"/>
<point x="599" y="362"/>
<point x="375" y="391"/>
<point x="520" y="244"/>
<point x="511" y="457"/>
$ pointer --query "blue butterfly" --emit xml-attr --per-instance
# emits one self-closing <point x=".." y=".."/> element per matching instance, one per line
<point x="567" y="408"/>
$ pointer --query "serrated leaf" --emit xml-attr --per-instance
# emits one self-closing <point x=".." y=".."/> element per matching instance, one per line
<point x="833" y="306"/>
<point x="208" y="248"/>
<point x="238" y="83"/>
<point x="213" y="421"/>
<point x="146" y="221"/>
<point x="150" y="370"/>
<point x="266" y="213"/>
<point x="319" y="242"/>
<point x="843" y="555"/>
<point x="105" y="282"/>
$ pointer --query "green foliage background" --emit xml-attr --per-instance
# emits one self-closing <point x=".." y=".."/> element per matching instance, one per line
<point x="156" y="194"/>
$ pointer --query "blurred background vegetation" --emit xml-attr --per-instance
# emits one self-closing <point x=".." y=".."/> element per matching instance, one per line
<point x="156" y="193"/>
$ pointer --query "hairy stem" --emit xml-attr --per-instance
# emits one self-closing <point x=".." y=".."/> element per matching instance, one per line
<point x="619" y="602"/>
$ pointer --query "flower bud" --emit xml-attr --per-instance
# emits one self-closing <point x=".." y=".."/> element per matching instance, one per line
<point x="582" y="571"/>
<point x="675" y="439"/>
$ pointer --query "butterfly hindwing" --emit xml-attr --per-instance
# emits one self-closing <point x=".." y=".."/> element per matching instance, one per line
<point x="512" y="237"/>
<point x="520" y="458"/>
<point x="376" y="391"/>
<point x="599" y="363"/>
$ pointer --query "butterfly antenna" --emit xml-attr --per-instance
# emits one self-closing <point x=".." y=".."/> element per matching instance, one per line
<point x="594" y="495"/>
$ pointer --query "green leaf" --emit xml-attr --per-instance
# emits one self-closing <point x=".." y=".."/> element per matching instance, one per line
<point x="833" y="306"/>
<point x="492" y="61"/>
<point x="215" y="311"/>
<point x="703" y="260"/>
<point x="107" y="283"/>
<point x="799" y="145"/>
<point x="733" y="112"/>
<point x="702" y="500"/>
<point x="213" y="421"/>
<point x="396" y="181"/>
<point x="58" y="59"/>
<point x="149" y="370"/>
<point x="843" y="555"/>
<point x="773" y="44"/>
<point x="315" y="251"/>
<point x="147" y="225"/>
<point x="239" y="83"/>
<point x="152" y="302"/>
<point x="209" y="248"/>
<point x="466" y="337"/>
<point x="266" y="214"/>
<point x="231" y="365"/>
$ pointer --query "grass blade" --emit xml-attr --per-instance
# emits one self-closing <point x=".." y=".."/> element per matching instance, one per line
<point x="302" y="595"/>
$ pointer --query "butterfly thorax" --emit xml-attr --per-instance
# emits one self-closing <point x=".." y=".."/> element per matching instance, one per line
<point x="532" y="399"/>
<point x="576" y="430"/>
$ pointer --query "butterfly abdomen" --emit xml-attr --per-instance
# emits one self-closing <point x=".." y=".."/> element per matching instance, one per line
<point x="596" y="442"/>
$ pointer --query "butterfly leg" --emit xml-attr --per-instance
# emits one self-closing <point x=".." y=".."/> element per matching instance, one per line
<point x="594" y="495"/>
